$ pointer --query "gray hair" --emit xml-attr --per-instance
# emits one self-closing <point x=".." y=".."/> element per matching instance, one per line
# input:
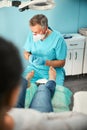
<point x="39" y="19"/>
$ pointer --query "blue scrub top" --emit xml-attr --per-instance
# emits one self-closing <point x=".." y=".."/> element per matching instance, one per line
<point x="51" y="48"/>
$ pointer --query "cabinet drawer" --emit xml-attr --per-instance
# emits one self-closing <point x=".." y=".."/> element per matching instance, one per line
<point x="75" y="44"/>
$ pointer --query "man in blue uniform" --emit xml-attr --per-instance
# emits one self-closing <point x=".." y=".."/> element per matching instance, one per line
<point x="44" y="47"/>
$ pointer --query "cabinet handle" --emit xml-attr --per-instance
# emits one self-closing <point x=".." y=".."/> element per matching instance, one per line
<point x="70" y="56"/>
<point x="75" y="55"/>
<point x="73" y="44"/>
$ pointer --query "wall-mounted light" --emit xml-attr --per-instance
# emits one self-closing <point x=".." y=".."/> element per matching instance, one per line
<point x="37" y="5"/>
<point x="30" y="4"/>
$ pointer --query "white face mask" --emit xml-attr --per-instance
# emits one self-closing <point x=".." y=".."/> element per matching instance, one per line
<point x="38" y="37"/>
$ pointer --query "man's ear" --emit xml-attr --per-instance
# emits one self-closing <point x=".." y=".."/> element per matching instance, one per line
<point x="46" y="29"/>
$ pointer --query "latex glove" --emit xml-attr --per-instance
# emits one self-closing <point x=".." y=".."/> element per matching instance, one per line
<point x="35" y="60"/>
<point x="32" y="58"/>
<point x="39" y="61"/>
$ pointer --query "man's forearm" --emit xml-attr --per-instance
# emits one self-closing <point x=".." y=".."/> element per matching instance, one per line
<point x="55" y="63"/>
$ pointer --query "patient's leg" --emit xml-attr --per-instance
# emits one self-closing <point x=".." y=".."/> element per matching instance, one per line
<point x="42" y="98"/>
<point x="25" y="84"/>
<point x="21" y="98"/>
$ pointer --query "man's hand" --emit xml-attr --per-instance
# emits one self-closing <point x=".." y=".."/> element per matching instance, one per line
<point x="26" y="55"/>
<point x="35" y="60"/>
<point x="39" y="61"/>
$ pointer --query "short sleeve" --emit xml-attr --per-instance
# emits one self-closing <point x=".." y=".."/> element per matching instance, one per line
<point x="28" y="42"/>
<point x="61" y="49"/>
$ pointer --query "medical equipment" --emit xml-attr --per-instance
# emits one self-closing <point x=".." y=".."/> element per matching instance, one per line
<point x="67" y="36"/>
<point x="30" y="4"/>
<point x="8" y="3"/>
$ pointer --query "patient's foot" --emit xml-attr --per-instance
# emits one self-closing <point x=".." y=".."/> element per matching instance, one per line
<point x="30" y="75"/>
<point x="52" y="73"/>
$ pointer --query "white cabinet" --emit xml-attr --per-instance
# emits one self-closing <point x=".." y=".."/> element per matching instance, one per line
<point x="68" y="64"/>
<point x="85" y="59"/>
<point x="74" y="60"/>
<point x="77" y="62"/>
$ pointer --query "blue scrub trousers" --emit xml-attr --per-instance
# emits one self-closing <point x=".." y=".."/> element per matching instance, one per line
<point x="42" y="98"/>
